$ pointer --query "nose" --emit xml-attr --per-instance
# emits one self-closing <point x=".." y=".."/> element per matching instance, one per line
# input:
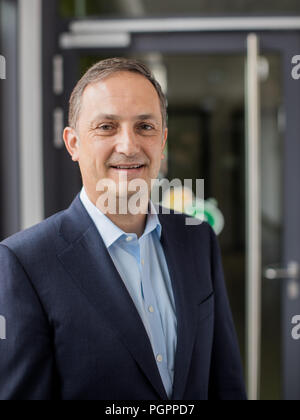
<point x="127" y="143"/>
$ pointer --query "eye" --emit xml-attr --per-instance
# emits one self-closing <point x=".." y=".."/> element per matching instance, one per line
<point x="146" y="127"/>
<point x="106" y="127"/>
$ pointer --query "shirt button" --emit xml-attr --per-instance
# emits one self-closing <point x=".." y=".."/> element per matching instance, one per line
<point x="159" y="358"/>
<point x="151" y="309"/>
<point x="129" y="238"/>
<point x="143" y="262"/>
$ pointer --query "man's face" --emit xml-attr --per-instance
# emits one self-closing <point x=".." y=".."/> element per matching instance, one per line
<point x="120" y="124"/>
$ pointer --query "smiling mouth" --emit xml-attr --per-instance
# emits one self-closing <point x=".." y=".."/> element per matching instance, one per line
<point x="128" y="167"/>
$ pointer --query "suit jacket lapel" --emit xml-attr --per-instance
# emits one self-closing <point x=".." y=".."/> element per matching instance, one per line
<point x="179" y="264"/>
<point x="92" y="270"/>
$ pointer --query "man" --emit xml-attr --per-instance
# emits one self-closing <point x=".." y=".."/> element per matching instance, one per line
<point x="101" y="305"/>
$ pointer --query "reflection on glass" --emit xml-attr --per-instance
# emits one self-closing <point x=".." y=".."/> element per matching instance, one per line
<point x="142" y="8"/>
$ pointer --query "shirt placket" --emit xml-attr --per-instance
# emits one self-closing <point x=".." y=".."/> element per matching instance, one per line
<point x="153" y="316"/>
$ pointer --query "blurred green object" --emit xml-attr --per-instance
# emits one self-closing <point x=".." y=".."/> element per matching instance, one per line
<point x="207" y="211"/>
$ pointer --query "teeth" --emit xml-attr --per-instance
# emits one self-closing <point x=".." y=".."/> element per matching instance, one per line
<point x="127" y="167"/>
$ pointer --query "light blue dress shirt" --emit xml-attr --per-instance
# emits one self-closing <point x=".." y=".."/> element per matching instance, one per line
<point x="142" y="266"/>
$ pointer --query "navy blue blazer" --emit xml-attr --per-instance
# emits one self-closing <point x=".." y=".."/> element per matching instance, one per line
<point x="73" y="332"/>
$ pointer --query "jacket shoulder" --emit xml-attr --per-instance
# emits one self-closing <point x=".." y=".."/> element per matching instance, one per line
<point x="36" y="239"/>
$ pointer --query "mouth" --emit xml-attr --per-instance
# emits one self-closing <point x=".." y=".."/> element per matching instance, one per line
<point x="128" y="168"/>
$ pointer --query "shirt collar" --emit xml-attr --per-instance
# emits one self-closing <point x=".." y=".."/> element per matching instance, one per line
<point x="109" y="231"/>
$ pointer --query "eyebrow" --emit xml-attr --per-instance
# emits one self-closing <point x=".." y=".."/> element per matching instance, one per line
<point x="118" y="118"/>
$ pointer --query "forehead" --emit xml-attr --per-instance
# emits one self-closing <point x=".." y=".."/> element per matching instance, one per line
<point x="123" y="91"/>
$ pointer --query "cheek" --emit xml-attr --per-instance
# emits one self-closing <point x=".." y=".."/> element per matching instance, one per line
<point x="154" y="151"/>
<point x="96" y="154"/>
<point x="155" y="155"/>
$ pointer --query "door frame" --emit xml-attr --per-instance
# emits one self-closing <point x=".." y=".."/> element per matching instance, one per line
<point x="58" y="168"/>
<point x="9" y="121"/>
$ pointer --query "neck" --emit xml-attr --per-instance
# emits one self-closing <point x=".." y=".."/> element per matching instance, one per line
<point x="129" y="223"/>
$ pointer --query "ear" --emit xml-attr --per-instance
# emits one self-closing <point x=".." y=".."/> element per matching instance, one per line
<point x="72" y="143"/>
<point x="165" y="138"/>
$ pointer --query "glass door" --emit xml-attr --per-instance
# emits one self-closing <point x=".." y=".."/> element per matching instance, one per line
<point x="204" y="76"/>
<point x="10" y="214"/>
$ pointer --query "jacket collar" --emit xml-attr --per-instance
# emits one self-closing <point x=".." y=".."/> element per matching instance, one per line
<point x="108" y="230"/>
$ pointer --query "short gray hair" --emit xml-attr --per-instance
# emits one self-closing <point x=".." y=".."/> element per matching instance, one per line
<point x="106" y="68"/>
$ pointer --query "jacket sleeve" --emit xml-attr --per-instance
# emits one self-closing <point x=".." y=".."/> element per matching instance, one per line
<point x="226" y="375"/>
<point x="26" y="359"/>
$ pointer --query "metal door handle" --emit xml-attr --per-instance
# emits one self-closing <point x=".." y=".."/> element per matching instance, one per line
<point x="291" y="275"/>
<point x="254" y="269"/>
<point x="292" y="272"/>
